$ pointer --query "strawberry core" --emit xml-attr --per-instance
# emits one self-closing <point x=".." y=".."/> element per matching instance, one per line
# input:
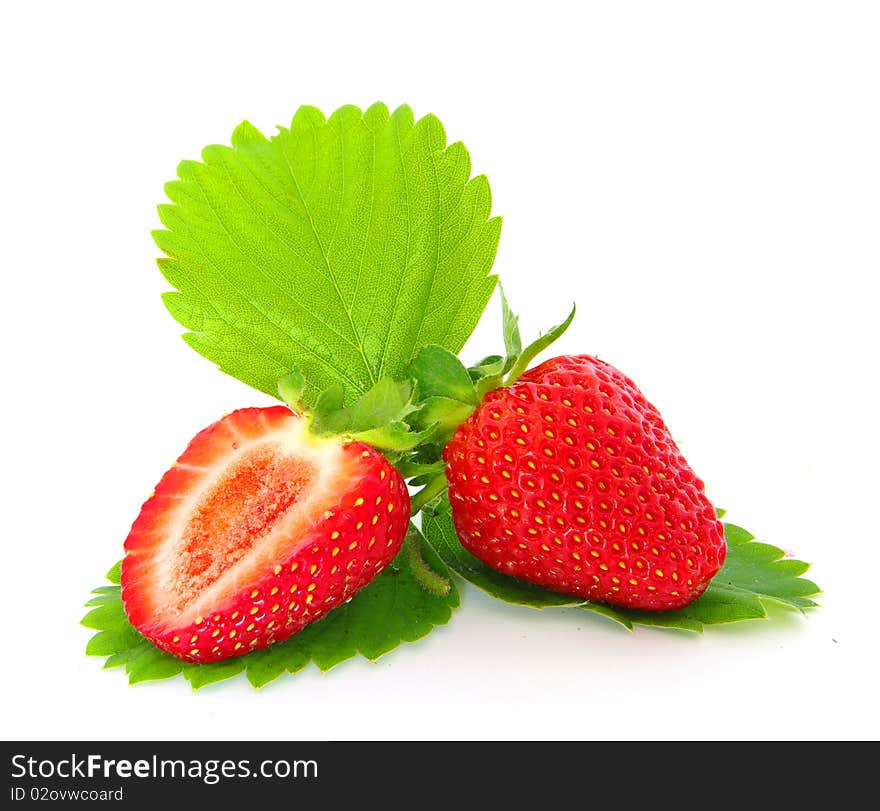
<point x="238" y="511"/>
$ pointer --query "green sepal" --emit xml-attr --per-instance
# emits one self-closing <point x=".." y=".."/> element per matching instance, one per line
<point x="510" y="328"/>
<point x="538" y="345"/>
<point x="393" y="436"/>
<point x="491" y="366"/>
<point x="439" y="373"/>
<point x="291" y="388"/>
<point x="443" y="412"/>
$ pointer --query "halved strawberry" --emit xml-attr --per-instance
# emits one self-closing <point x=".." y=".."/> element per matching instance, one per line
<point x="257" y="530"/>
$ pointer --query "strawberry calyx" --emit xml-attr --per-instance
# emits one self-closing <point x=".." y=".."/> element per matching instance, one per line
<point x="410" y="421"/>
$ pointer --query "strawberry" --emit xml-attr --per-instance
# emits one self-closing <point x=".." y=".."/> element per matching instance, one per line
<point x="569" y="479"/>
<point x="258" y="530"/>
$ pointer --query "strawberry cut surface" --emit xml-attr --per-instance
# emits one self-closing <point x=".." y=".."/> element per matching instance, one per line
<point x="570" y="479"/>
<point x="258" y="530"/>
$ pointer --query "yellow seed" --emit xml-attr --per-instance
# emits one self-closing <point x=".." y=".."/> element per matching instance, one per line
<point x="273" y="591"/>
<point x="277" y="570"/>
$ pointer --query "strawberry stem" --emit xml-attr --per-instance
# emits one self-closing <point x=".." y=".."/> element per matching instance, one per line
<point x="428" y="493"/>
<point x="425" y="576"/>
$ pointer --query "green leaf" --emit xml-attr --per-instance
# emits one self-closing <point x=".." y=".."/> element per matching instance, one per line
<point x="339" y="246"/>
<point x="439" y="373"/>
<point x="753" y="573"/>
<point x="403" y="604"/>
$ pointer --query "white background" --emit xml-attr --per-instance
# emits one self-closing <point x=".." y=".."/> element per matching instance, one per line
<point x="702" y="178"/>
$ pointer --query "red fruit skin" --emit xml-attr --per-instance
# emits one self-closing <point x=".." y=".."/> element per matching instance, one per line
<point x="570" y="479"/>
<point x="354" y="538"/>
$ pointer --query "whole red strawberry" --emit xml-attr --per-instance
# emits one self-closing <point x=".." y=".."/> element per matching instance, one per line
<point x="569" y="479"/>
<point x="258" y="530"/>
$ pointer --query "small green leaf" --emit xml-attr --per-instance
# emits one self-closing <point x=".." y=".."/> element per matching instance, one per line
<point x="115" y="573"/>
<point x="510" y="326"/>
<point x="439" y="373"/>
<point x="394" y="608"/>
